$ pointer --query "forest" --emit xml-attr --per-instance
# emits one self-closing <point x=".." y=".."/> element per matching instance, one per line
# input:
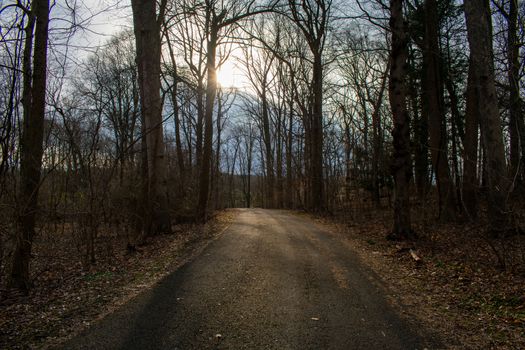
<point x="402" y="117"/>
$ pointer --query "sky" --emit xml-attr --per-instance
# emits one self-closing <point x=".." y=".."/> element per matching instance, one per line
<point x="230" y="75"/>
<point x="102" y="19"/>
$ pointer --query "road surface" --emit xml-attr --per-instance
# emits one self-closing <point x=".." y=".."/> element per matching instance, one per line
<point x="273" y="280"/>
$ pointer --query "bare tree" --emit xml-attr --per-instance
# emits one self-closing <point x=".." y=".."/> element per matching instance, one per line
<point x="31" y="143"/>
<point x="401" y="163"/>
<point x="433" y="100"/>
<point x="516" y="123"/>
<point x="312" y="18"/>
<point x="470" y="145"/>
<point x="148" y="48"/>
<point x="258" y="67"/>
<point x="479" y="29"/>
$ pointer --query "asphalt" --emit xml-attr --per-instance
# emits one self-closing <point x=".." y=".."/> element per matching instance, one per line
<point x="273" y="280"/>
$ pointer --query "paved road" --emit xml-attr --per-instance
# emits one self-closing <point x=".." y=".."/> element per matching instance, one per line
<point x="274" y="280"/>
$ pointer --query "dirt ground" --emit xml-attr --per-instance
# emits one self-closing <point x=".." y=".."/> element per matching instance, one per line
<point x="68" y="296"/>
<point x="467" y="288"/>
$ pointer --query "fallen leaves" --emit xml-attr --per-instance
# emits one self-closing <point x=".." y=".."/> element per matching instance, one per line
<point x="459" y="291"/>
<point x="68" y="296"/>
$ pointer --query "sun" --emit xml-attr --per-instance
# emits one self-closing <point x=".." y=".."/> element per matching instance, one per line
<point x="230" y="76"/>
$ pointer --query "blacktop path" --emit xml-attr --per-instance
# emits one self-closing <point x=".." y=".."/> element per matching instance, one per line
<point x="273" y="280"/>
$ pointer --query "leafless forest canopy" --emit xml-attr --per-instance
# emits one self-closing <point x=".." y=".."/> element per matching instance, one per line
<point x="409" y="108"/>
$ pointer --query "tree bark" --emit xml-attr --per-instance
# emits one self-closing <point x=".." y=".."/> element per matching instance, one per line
<point x="515" y="103"/>
<point x="31" y="143"/>
<point x="316" y="201"/>
<point x="470" y="145"/>
<point x="377" y="140"/>
<point x="401" y="163"/>
<point x="479" y="32"/>
<point x="456" y="134"/>
<point x="176" y="119"/>
<point x="148" y="46"/>
<point x="279" y="158"/>
<point x="216" y="183"/>
<point x="434" y="102"/>
<point x="289" y="150"/>
<point x="420" y="142"/>
<point x="270" y="183"/>
<point x="211" y="93"/>
<point x="200" y="123"/>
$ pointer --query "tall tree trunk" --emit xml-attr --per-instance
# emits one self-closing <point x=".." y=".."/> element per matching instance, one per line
<point x="312" y="18"/>
<point x="249" y="171"/>
<point x="316" y="201"/>
<point x="148" y="46"/>
<point x="348" y="169"/>
<point x="31" y="143"/>
<point x="270" y="185"/>
<point x="401" y="163"/>
<point x="176" y="119"/>
<point x="142" y="206"/>
<point x="289" y="149"/>
<point x="470" y="145"/>
<point x="420" y="147"/>
<point x="456" y="134"/>
<point x="433" y="96"/>
<point x="178" y="141"/>
<point x="217" y="171"/>
<point x="420" y="127"/>
<point x="200" y="123"/>
<point x="279" y="162"/>
<point x="514" y="104"/>
<point x="479" y="31"/>
<point x="377" y="135"/>
<point x="211" y="93"/>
